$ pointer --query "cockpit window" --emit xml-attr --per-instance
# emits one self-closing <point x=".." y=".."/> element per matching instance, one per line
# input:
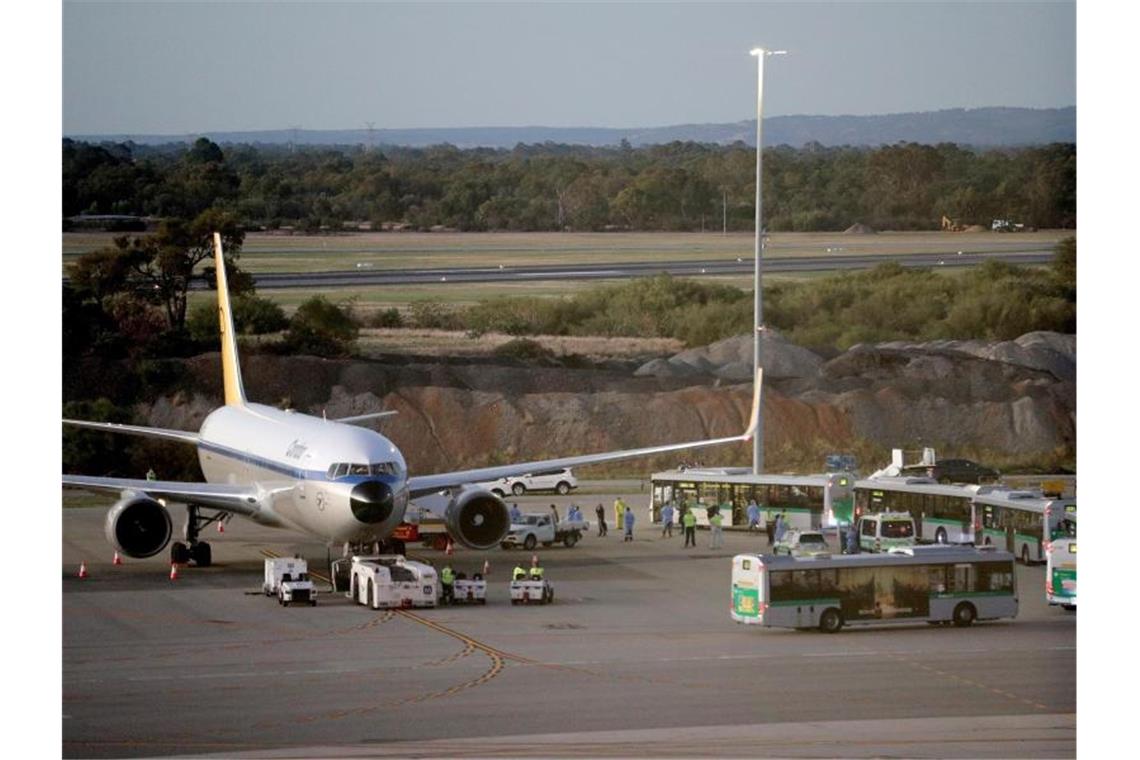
<point x="342" y="469"/>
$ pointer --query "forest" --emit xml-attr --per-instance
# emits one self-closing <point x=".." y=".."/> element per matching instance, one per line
<point x="670" y="187"/>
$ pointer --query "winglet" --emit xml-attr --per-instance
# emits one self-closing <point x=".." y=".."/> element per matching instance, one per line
<point x="754" y="420"/>
<point x="231" y="368"/>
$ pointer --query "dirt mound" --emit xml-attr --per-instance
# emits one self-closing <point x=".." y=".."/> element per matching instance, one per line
<point x="859" y="229"/>
<point x="1013" y="398"/>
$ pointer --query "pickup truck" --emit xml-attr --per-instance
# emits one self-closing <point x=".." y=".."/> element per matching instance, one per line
<point x="540" y="528"/>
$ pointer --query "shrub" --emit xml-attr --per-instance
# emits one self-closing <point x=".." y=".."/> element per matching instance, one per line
<point x="321" y="328"/>
<point x="386" y="318"/>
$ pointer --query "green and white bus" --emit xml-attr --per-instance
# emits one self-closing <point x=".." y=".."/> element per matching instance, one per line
<point x="808" y="502"/>
<point x="1016" y="521"/>
<point x="943" y="514"/>
<point x="935" y="584"/>
<point x="1061" y="556"/>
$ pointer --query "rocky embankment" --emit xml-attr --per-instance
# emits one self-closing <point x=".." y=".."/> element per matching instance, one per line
<point x="1012" y="401"/>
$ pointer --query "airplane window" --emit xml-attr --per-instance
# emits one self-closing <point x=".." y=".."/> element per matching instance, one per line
<point x="358" y="469"/>
<point x="332" y="471"/>
<point x="385" y="468"/>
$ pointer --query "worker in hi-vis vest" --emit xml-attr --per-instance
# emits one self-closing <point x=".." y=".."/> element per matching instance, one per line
<point x="519" y="573"/>
<point x="619" y="512"/>
<point x="447" y="580"/>
<point x="536" y="573"/>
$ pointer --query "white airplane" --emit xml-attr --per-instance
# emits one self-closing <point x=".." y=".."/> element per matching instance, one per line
<point x="327" y="478"/>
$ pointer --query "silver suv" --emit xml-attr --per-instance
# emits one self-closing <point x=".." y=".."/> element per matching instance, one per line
<point x="561" y="481"/>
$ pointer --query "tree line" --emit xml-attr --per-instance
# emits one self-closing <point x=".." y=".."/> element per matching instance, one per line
<point x="679" y="186"/>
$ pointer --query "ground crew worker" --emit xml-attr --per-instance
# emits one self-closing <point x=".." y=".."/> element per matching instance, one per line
<point x="619" y="511"/>
<point x="447" y="580"/>
<point x="717" y="531"/>
<point x="536" y="573"/>
<point x="150" y="474"/>
<point x="689" y="520"/>
<point x="519" y="574"/>
<point x="600" y="511"/>
<point x="667" y="520"/>
<point x="628" y="517"/>
<point x="753" y="515"/>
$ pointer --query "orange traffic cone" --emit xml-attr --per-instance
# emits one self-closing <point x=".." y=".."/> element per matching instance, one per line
<point x="486" y="567"/>
<point x="82" y="570"/>
<point x="117" y="560"/>
<point x="173" y="571"/>
<point x="221" y="527"/>
<point x="450" y="548"/>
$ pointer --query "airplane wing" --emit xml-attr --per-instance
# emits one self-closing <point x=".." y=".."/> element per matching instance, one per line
<point x="241" y="500"/>
<point x="427" y="484"/>
<point x="148" y="432"/>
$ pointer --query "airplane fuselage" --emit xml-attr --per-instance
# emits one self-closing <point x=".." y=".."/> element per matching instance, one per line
<point x="341" y="482"/>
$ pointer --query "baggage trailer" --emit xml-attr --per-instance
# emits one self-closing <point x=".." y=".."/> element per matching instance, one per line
<point x="287" y="578"/>
<point x="388" y="581"/>
<point x="469" y="591"/>
<point x="531" y="592"/>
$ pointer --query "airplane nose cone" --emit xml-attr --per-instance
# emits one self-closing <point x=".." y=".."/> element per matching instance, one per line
<point x="372" y="501"/>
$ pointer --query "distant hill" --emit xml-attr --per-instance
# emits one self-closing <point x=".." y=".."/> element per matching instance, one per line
<point x="981" y="127"/>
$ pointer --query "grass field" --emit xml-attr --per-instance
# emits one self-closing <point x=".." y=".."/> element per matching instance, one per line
<point x="265" y="252"/>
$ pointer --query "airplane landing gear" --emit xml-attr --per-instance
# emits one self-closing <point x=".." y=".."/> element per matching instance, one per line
<point x="194" y="550"/>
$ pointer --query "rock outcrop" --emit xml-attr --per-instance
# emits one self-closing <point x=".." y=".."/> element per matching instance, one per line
<point x="1014" y="399"/>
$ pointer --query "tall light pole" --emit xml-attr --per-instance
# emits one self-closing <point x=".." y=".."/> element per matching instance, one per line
<point x="758" y="306"/>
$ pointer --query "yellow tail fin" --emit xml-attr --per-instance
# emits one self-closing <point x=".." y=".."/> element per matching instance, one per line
<point x="231" y="369"/>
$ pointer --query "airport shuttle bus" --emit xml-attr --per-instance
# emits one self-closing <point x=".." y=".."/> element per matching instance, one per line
<point x="808" y="502"/>
<point x="943" y="514"/>
<point x="935" y="584"/>
<point x="1016" y="521"/>
<point x="1061" y="556"/>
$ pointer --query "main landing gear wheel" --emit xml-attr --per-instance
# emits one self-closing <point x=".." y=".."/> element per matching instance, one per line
<point x="201" y="554"/>
<point x="179" y="553"/>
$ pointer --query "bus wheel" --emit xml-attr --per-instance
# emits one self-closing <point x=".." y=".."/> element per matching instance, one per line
<point x="1025" y="555"/>
<point x="1069" y="607"/>
<point x="940" y="536"/>
<point x="830" y="621"/>
<point x="964" y="614"/>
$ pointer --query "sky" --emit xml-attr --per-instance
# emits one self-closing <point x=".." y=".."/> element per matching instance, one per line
<point x="184" y="67"/>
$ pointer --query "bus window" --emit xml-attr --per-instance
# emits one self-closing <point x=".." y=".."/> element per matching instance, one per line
<point x="960" y="579"/>
<point x="994" y="576"/>
<point x="868" y="528"/>
<point x="938" y="579"/>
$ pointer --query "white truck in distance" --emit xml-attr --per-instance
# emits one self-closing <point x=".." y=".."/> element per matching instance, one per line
<point x="540" y="528"/>
<point x="392" y="581"/>
<point x="287" y="578"/>
<point x="560" y="481"/>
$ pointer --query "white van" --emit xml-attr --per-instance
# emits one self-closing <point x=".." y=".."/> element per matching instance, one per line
<point x="886" y="530"/>
<point x="560" y="481"/>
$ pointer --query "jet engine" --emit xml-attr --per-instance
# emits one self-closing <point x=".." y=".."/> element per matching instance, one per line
<point x="138" y="527"/>
<point x="477" y="519"/>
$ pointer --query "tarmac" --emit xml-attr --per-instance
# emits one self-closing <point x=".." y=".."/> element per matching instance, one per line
<point x="636" y="656"/>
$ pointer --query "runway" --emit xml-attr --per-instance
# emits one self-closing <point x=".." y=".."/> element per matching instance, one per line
<point x="637" y="656"/>
<point x="360" y="277"/>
